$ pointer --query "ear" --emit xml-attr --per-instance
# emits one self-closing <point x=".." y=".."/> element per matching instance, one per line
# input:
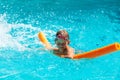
<point x="68" y="41"/>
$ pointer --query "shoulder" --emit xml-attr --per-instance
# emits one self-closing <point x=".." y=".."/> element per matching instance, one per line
<point x="55" y="50"/>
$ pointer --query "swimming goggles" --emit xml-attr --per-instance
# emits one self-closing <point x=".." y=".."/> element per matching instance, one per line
<point x="61" y="37"/>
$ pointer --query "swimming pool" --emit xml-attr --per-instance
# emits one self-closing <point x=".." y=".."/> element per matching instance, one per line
<point x="91" y="24"/>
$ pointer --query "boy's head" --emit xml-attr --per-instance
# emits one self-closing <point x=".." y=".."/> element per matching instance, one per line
<point x="62" y="37"/>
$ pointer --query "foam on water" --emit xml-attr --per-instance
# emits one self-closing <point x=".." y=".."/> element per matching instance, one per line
<point x="16" y="36"/>
<point x="6" y="39"/>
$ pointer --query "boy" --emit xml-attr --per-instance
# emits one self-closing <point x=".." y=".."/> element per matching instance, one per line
<point x="63" y="49"/>
<point x="62" y="42"/>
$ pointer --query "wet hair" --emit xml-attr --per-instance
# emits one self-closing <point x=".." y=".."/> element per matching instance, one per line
<point x="63" y="33"/>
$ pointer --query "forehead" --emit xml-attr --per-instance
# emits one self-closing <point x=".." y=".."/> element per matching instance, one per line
<point x="63" y="33"/>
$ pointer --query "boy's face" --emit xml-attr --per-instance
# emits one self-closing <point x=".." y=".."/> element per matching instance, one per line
<point x="61" y="43"/>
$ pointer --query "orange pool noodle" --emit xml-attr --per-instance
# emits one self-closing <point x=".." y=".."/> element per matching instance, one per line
<point x="43" y="39"/>
<point x="99" y="52"/>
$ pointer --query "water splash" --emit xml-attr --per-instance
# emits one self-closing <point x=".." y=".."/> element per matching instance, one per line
<point x="16" y="36"/>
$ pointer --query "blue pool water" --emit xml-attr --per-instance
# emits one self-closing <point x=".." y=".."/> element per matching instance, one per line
<point x="91" y="24"/>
